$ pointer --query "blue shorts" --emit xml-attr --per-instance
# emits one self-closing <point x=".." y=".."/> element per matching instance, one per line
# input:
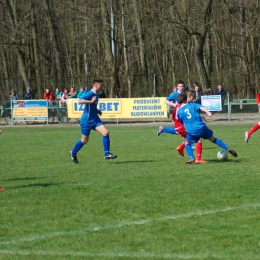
<point x="204" y="133"/>
<point x="88" y="125"/>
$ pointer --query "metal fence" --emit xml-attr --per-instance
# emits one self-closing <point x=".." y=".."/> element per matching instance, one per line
<point x="236" y="109"/>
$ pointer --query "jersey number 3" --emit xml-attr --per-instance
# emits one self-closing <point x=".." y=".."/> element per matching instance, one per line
<point x="188" y="113"/>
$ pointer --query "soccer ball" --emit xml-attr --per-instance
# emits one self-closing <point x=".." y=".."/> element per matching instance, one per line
<point x="222" y="155"/>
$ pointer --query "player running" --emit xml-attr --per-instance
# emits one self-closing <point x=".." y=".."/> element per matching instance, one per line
<point x="256" y="126"/>
<point x="195" y="126"/>
<point x="90" y="120"/>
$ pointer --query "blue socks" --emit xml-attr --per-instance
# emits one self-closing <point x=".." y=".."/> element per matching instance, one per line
<point x="169" y="130"/>
<point x="189" y="151"/>
<point x="77" y="147"/>
<point x="106" y="144"/>
<point x="105" y="141"/>
<point x="220" y="143"/>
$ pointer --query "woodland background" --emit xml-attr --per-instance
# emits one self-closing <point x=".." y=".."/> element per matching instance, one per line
<point x="140" y="47"/>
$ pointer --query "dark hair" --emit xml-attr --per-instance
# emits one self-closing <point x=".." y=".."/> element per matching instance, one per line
<point x="97" y="80"/>
<point x="182" y="98"/>
<point x="179" y="82"/>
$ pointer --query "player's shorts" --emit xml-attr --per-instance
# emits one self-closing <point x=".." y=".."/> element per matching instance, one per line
<point x="86" y="126"/>
<point x="205" y="133"/>
<point x="181" y="131"/>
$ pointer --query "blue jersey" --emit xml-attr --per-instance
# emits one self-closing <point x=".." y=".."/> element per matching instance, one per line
<point x="90" y="112"/>
<point x="189" y="116"/>
<point x="173" y="97"/>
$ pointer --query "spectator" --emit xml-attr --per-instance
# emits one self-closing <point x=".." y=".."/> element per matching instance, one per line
<point x="29" y="94"/>
<point x="81" y="92"/>
<point x="208" y="92"/>
<point x="64" y="96"/>
<point x="48" y="95"/>
<point x="57" y="94"/>
<point x="72" y="93"/>
<point x="197" y="93"/>
<point x="14" y="95"/>
<point x="220" y="91"/>
<point x="195" y="84"/>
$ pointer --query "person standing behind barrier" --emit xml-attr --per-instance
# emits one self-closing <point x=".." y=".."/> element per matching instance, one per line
<point x="81" y="92"/>
<point x="256" y="126"/>
<point x="48" y="95"/>
<point x="64" y="96"/>
<point x="90" y="120"/>
<point x="197" y="93"/>
<point x="220" y="91"/>
<point x="1" y="188"/>
<point x="14" y="95"/>
<point x="28" y="94"/>
<point x="57" y="94"/>
<point x="72" y="93"/>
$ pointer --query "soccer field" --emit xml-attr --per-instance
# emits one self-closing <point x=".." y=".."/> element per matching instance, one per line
<point x="146" y="204"/>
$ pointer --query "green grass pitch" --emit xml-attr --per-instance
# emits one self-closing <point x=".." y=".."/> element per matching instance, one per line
<point x="146" y="204"/>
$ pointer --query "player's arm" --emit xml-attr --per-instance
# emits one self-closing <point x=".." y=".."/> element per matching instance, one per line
<point x="99" y="112"/>
<point x="87" y="101"/>
<point x="206" y="111"/>
<point x="170" y="103"/>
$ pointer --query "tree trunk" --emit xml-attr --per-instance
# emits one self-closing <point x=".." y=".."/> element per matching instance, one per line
<point x="55" y="44"/>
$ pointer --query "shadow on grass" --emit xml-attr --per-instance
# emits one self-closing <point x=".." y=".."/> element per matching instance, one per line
<point x="43" y="185"/>
<point x="24" y="179"/>
<point x="228" y="161"/>
<point x="141" y="161"/>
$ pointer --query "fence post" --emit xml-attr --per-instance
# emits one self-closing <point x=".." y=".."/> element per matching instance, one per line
<point x="12" y="111"/>
<point x="153" y="97"/>
<point x="229" y="107"/>
<point x="117" y="121"/>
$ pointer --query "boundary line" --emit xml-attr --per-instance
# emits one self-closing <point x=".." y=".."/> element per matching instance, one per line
<point x="32" y="238"/>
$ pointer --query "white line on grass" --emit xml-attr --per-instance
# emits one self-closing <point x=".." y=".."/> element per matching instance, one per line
<point x="111" y="255"/>
<point x="125" y="224"/>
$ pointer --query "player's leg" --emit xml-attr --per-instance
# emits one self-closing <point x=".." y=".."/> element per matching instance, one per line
<point x="251" y="131"/>
<point x="85" y="132"/>
<point x="106" y="141"/>
<point x="2" y="188"/>
<point x="181" y="131"/>
<point x="221" y="144"/>
<point x="180" y="149"/>
<point x="168" y="130"/>
<point x="189" y="151"/>
<point x="199" y="152"/>
<point x="79" y="144"/>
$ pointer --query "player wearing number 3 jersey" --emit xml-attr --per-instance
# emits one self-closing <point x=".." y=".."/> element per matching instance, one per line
<point x="195" y="127"/>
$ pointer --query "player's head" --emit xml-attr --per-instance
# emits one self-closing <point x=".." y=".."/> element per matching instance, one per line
<point x="182" y="98"/>
<point x="180" y="85"/>
<point x="98" y="84"/>
<point x="190" y="96"/>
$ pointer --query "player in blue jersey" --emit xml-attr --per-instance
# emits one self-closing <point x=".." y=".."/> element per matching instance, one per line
<point x="90" y="120"/>
<point x="195" y="127"/>
<point x="172" y="100"/>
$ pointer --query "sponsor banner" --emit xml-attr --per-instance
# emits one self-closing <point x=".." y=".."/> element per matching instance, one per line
<point x="123" y="108"/>
<point x="212" y="102"/>
<point x="29" y="110"/>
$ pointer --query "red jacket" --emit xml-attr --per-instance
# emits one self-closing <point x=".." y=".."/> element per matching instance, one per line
<point x="258" y="98"/>
<point x="48" y="96"/>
